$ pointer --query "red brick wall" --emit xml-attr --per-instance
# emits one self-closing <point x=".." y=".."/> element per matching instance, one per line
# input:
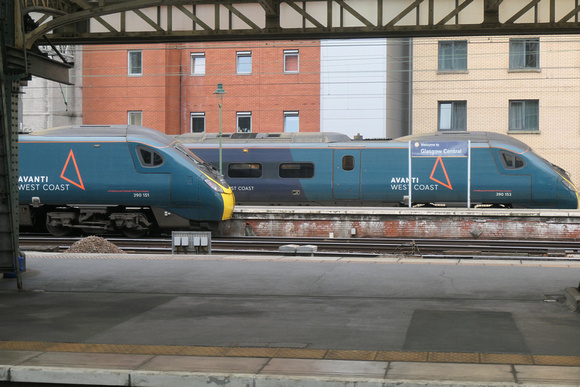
<point x="108" y="91"/>
<point x="167" y="93"/>
<point x="321" y="224"/>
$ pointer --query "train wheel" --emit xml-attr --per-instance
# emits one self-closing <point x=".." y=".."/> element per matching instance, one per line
<point x="58" y="231"/>
<point x="135" y="225"/>
<point x="134" y="233"/>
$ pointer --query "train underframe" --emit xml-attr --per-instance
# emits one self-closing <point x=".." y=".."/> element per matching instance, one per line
<point x="133" y="222"/>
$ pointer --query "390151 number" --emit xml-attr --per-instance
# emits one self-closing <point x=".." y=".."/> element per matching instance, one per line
<point x="140" y="194"/>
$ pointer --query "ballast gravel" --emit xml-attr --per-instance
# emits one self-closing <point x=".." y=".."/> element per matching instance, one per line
<point x="94" y="244"/>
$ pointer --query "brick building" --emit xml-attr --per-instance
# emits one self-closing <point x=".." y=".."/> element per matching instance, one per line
<point x="270" y="86"/>
<point x="356" y="86"/>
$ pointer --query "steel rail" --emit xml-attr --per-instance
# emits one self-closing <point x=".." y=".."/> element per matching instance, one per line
<point x="326" y="246"/>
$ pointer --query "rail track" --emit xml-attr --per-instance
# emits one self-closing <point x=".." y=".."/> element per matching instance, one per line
<point x="426" y="248"/>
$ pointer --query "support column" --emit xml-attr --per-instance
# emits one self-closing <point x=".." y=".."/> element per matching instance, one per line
<point x="9" y="87"/>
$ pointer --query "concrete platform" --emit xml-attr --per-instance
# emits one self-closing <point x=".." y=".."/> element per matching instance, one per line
<point x="396" y="222"/>
<point x="162" y="320"/>
<point x="125" y="368"/>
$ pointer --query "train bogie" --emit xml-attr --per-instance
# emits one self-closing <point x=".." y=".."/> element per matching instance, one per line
<point x="116" y="178"/>
<point x="479" y="168"/>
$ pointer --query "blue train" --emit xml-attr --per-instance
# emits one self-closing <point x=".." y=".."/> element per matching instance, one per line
<point x="116" y="178"/>
<point x="454" y="169"/>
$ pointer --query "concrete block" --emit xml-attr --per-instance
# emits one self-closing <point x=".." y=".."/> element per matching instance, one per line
<point x="324" y="369"/>
<point x="326" y="381"/>
<point x="4" y="373"/>
<point x="547" y="375"/>
<point x="186" y="379"/>
<point x="67" y="375"/>
<point x="306" y="249"/>
<point x="449" y="374"/>
<point x="287" y="249"/>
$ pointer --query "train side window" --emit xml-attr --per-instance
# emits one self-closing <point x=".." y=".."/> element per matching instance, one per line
<point x="511" y="160"/>
<point x="245" y="170"/>
<point x="148" y="157"/>
<point x="296" y="170"/>
<point x="348" y="163"/>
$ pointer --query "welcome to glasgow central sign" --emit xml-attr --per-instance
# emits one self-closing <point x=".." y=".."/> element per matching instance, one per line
<point x="440" y="149"/>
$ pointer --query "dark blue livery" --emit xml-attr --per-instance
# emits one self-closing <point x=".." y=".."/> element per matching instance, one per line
<point x="479" y="168"/>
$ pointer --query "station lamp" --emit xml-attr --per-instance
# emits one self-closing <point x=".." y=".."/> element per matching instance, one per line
<point x="220" y="92"/>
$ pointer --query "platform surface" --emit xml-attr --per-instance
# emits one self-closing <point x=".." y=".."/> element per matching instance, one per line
<point x="162" y="320"/>
<point x="244" y="210"/>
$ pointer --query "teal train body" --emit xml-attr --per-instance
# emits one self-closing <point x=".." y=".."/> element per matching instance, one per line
<point x="116" y="178"/>
<point x="453" y="169"/>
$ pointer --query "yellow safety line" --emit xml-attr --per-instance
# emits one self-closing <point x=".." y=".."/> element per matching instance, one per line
<point x="297" y="353"/>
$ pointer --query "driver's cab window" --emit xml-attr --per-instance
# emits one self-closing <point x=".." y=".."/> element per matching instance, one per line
<point x="511" y="160"/>
<point x="148" y="157"/>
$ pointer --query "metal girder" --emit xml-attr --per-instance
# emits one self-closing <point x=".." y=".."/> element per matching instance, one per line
<point x="44" y="67"/>
<point x="126" y="21"/>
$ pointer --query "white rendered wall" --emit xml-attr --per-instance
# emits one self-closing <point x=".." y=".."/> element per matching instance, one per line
<point x="353" y="87"/>
<point x="47" y="104"/>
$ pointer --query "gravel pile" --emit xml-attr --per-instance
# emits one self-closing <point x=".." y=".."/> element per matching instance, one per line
<point x="94" y="244"/>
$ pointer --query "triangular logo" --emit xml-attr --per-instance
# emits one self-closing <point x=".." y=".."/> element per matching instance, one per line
<point x="440" y="161"/>
<point x="78" y="178"/>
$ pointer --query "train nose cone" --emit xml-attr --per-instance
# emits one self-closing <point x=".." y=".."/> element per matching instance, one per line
<point x="568" y="195"/>
<point x="229" y="202"/>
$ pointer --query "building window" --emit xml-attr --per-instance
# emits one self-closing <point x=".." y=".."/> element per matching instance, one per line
<point x="197" y="64"/>
<point x="453" y="55"/>
<point x="244" y="122"/>
<point x="244" y="62"/>
<point x="524" y="54"/>
<point x="525" y="115"/>
<point x="291" y="61"/>
<point x="135" y="62"/>
<point x="135" y="117"/>
<point x="296" y="170"/>
<point x="291" y="122"/>
<point x="452" y="115"/>
<point x="197" y="122"/>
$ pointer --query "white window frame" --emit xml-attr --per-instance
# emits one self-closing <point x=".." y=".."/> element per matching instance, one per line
<point x="240" y="67"/>
<point x="449" y="116"/>
<point x="196" y="115"/>
<point x="520" y="119"/>
<point x="197" y="63"/>
<point x="292" y="122"/>
<point x="452" y="56"/>
<point x="241" y="115"/>
<point x="289" y="54"/>
<point x="130" y="72"/>
<point x="135" y="114"/>
<point x="520" y="59"/>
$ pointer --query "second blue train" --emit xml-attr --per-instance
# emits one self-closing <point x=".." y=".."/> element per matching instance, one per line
<point x="480" y="168"/>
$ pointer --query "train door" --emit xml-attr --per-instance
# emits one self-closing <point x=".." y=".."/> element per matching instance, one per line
<point x="346" y="174"/>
